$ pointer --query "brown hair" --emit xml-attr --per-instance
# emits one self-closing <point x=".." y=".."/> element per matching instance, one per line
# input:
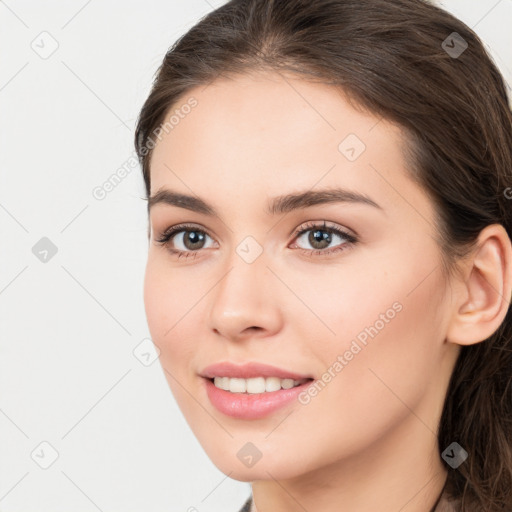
<point x="395" y="59"/>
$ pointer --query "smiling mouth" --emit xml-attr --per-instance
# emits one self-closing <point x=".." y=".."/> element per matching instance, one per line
<point x="256" y="385"/>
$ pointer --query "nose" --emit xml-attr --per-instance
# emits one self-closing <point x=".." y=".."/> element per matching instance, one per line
<point x="245" y="302"/>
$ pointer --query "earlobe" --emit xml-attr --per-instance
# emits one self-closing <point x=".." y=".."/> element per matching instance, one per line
<point x="485" y="294"/>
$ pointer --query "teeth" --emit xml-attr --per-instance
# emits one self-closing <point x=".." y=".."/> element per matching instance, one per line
<point x="254" y="385"/>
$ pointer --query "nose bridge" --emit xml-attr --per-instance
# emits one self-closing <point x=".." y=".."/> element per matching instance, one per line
<point x="244" y="284"/>
<point x="247" y="265"/>
<point x="243" y="297"/>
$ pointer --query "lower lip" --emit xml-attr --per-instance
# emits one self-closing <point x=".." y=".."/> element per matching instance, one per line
<point x="249" y="406"/>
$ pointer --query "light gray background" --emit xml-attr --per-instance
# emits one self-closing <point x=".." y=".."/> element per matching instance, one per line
<point x="73" y="373"/>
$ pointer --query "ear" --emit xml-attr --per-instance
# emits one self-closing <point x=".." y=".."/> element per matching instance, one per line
<point x="483" y="297"/>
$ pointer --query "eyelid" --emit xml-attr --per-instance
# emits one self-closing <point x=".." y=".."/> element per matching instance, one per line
<point x="172" y="230"/>
<point x="350" y="238"/>
<point x="323" y="224"/>
<point x="295" y="232"/>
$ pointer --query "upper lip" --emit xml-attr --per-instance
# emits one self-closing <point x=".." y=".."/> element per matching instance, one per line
<point x="249" y="370"/>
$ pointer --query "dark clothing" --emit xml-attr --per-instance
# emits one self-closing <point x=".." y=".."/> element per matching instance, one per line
<point x="443" y="505"/>
<point x="247" y="505"/>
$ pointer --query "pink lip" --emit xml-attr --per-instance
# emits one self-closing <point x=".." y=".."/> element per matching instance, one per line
<point x="247" y="405"/>
<point x="251" y="406"/>
<point x="249" y="370"/>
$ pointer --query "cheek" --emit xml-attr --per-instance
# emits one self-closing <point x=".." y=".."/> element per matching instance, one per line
<point x="169" y="301"/>
<point x="379" y="363"/>
<point x="168" y="294"/>
<point x="397" y="324"/>
<point x="169" y="305"/>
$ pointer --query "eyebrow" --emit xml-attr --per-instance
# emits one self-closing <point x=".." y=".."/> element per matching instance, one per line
<point x="276" y="206"/>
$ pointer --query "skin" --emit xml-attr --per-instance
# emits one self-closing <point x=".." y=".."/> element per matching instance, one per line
<point x="367" y="440"/>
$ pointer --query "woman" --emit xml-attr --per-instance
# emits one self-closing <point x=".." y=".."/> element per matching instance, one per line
<point x="330" y="267"/>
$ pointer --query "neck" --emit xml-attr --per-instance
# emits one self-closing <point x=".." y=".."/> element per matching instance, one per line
<point x="401" y="472"/>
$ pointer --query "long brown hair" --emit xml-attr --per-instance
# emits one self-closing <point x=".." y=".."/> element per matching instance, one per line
<point x="398" y="59"/>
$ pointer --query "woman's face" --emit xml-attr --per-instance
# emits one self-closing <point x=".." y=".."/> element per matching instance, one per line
<point x="363" y="314"/>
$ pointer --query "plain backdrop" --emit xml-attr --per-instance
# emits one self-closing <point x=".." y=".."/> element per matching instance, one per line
<point x="87" y="421"/>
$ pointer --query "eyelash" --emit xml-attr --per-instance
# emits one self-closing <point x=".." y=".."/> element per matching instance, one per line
<point x="166" y="236"/>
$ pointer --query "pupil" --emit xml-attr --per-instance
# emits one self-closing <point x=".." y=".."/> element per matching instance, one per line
<point x="320" y="236"/>
<point x="194" y="238"/>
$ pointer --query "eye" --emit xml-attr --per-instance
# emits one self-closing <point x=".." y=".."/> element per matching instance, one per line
<point x="321" y="236"/>
<point x="188" y="238"/>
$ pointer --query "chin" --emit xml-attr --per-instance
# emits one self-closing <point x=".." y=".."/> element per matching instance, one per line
<point x="261" y="470"/>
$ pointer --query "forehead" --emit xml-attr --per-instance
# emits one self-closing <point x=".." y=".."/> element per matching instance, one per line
<point x="253" y="108"/>
<point x="264" y="131"/>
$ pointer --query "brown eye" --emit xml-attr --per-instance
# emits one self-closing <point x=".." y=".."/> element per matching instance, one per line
<point x="319" y="239"/>
<point x="321" y="236"/>
<point x="193" y="240"/>
<point x="183" y="239"/>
